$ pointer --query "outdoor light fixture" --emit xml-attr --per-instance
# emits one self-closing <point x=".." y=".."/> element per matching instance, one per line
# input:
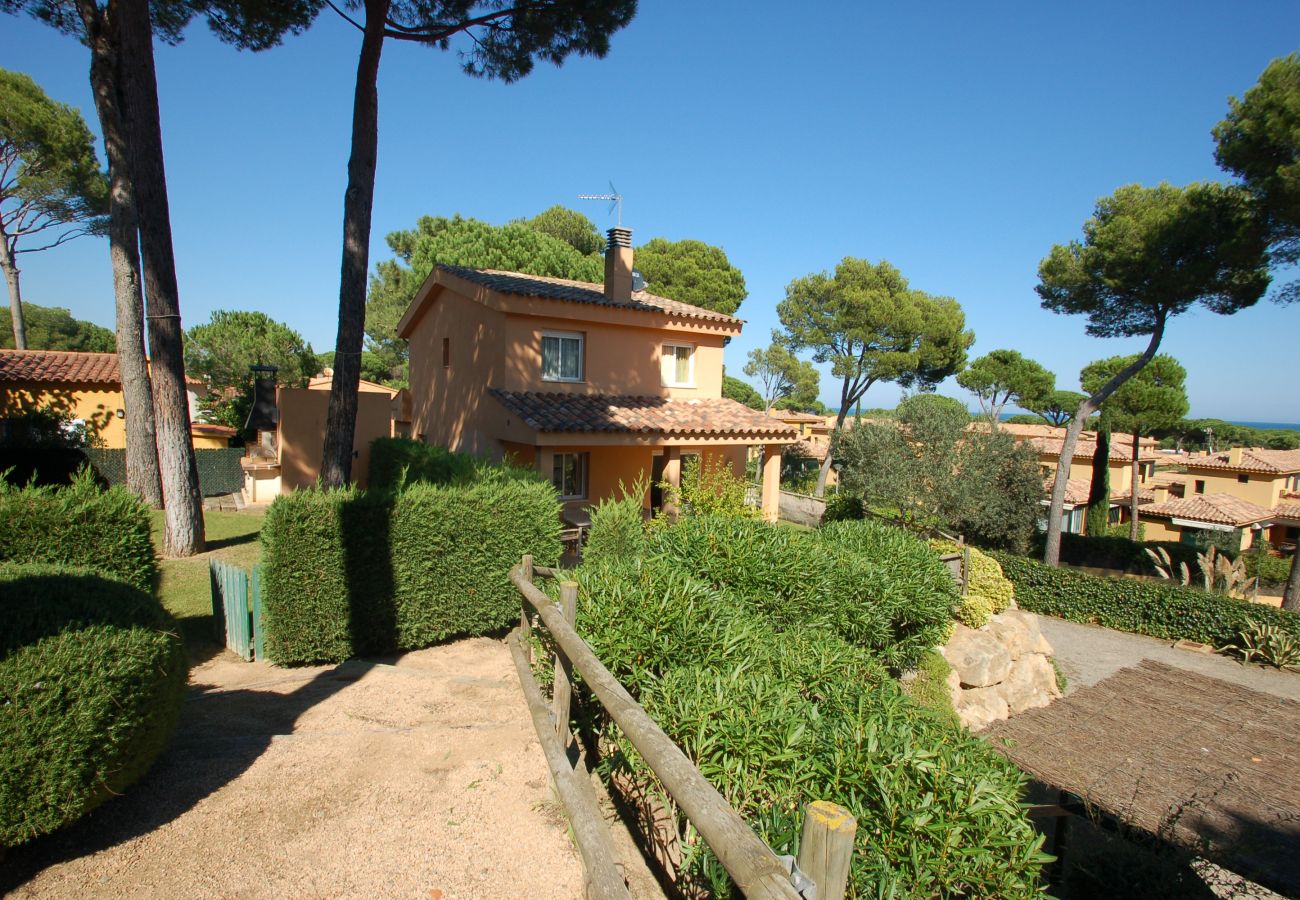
<point x="121" y="414"/>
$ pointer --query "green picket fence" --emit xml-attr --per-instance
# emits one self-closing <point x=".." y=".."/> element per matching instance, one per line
<point x="237" y="608"/>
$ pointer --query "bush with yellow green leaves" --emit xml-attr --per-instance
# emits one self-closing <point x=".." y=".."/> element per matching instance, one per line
<point x="988" y="591"/>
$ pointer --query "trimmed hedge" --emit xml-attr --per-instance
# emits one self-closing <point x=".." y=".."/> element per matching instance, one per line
<point x="1142" y="607"/>
<point x="777" y="718"/>
<point x="1122" y="554"/>
<point x="346" y="573"/>
<point x="396" y="462"/>
<point x="92" y="676"/>
<point x="875" y="586"/>
<point x="83" y="526"/>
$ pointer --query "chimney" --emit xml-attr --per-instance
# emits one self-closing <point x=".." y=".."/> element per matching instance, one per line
<point x="618" y="265"/>
<point x="1159" y="493"/>
<point x="1234" y="456"/>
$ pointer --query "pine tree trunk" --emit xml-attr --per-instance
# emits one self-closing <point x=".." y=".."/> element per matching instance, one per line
<point x="341" y="422"/>
<point x="1133" y="521"/>
<point x="180" y="475"/>
<point x="1291" y="596"/>
<point x="10" y="267"/>
<point x="123" y="241"/>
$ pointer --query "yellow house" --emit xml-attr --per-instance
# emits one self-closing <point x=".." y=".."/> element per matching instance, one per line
<point x="1187" y="518"/>
<point x="1262" y="479"/>
<point x="594" y="385"/>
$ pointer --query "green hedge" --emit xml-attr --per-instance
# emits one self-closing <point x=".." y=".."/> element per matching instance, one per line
<point x="1143" y="607"/>
<point x="346" y="573"/>
<point x="874" y="585"/>
<point x="395" y="462"/>
<point x="82" y="525"/>
<point x="1122" y="554"/>
<point x="92" y="676"/>
<point x="778" y="717"/>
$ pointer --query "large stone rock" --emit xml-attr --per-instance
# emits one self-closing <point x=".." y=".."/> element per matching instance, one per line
<point x="977" y="657"/>
<point x="978" y="707"/>
<point x="1030" y="684"/>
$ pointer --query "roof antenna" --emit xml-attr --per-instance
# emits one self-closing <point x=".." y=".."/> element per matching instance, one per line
<point x="615" y="201"/>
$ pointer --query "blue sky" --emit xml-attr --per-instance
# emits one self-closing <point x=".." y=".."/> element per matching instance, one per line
<point x="957" y="141"/>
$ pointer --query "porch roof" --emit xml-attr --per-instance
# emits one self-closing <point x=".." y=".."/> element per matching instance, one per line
<point x="568" y="413"/>
<point x="1220" y="509"/>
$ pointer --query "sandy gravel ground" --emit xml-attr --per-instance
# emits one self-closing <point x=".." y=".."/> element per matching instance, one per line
<point x="417" y="777"/>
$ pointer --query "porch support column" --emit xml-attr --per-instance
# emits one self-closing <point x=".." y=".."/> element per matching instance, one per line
<point x="673" y="476"/>
<point x="771" y="482"/>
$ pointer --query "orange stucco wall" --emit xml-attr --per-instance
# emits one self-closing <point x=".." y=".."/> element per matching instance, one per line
<point x="302" y="433"/>
<point x="1165" y="530"/>
<point x="608" y="467"/>
<point x="96" y="404"/>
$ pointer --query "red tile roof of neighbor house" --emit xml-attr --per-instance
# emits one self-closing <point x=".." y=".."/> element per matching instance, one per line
<point x="1287" y="511"/>
<point x="1221" y="509"/>
<point x="794" y="415"/>
<point x="580" y="292"/>
<point x="808" y="449"/>
<point x="214" y="430"/>
<point x="1076" y="490"/>
<point x="565" y="412"/>
<point x="59" y="367"/>
<point x="1253" y="459"/>
<point x="1121" y="448"/>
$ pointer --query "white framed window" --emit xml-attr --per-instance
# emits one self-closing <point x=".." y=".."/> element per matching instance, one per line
<point x="562" y="356"/>
<point x="569" y="475"/>
<point x="677" y="364"/>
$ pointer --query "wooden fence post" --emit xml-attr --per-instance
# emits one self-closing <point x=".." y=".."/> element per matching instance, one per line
<point x="526" y="627"/>
<point x="563" y="690"/>
<point x="826" y="848"/>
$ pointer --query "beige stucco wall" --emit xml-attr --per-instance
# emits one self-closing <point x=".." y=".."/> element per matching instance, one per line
<point x="610" y="466"/>
<point x="619" y="359"/>
<point x="96" y="404"/>
<point x="1165" y="530"/>
<point x="1262" y="490"/>
<point x="1121" y="473"/>
<point x="302" y="433"/>
<point x="209" y="442"/>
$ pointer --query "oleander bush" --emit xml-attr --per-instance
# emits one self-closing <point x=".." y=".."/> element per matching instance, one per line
<point x="988" y="592"/>
<point x="874" y="585"/>
<point x="348" y="573"/>
<point x="776" y="716"/>
<point x="1142" y="607"/>
<point x="92" y="676"/>
<point x="618" y="527"/>
<point x="81" y="525"/>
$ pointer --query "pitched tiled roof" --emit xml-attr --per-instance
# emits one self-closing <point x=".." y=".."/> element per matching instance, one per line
<point x="1145" y="495"/>
<point x="794" y="415"/>
<point x="1121" y="448"/>
<point x="809" y="449"/>
<point x="215" y="430"/>
<point x="1287" y="510"/>
<point x="1076" y="490"/>
<point x="1253" y="459"/>
<point x="580" y="292"/>
<point x="59" y="366"/>
<point x="564" y="412"/>
<point x="1222" y="509"/>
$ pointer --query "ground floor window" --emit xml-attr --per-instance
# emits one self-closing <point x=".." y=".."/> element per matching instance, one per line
<point x="569" y="475"/>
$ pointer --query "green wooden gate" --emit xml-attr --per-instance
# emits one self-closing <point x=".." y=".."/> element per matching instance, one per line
<point x="237" y="608"/>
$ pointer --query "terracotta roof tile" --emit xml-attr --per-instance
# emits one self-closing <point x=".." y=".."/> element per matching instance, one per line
<point x="580" y="292"/>
<point x="1222" y="509"/>
<point x="1287" y="510"/>
<point x="1121" y="447"/>
<point x="565" y="412"/>
<point x="1076" y="490"/>
<point x="214" y="430"/>
<point x="794" y="415"/>
<point x="808" y="449"/>
<point x="1253" y="459"/>
<point x="59" y="366"/>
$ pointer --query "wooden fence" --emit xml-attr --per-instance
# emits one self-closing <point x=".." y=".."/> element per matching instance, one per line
<point x="826" y="847"/>
<point x="237" y="607"/>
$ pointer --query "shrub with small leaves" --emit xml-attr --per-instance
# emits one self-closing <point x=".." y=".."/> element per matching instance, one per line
<point x="987" y="591"/>
<point x="841" y="508"/>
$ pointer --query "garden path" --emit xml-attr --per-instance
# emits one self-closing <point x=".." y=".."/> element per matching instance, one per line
<point x="419" y="776"/>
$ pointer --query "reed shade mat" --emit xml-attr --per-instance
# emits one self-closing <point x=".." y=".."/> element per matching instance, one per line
<point x="1208" y="765"/>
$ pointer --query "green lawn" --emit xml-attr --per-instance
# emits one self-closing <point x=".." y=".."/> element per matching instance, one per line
<point x="184" y="588"/>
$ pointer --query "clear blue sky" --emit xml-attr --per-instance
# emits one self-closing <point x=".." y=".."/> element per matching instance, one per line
<point x="958" y="141"/>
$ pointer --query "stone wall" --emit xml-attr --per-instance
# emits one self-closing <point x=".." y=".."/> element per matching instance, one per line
<point x="802" y="509"/>
<point x="1000" y="669"/>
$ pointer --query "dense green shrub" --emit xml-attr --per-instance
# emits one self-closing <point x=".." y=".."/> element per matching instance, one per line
<point x="347" y="573"/>
<point x="1116" y="552"/>
<point x="395" y="462"/>
<point x="873" y="585"/>
<point x="778" y="718"/>
<point x="928" y="686"/>
<point x="988" y="592"/>
<point x="1143" y="607"/>
<point x="841" y="508"/>
<point x="618" y="528"/>
<point x="81" y="525"/>
<point x="1267" y="568"/>
<point x="92" y="676"/>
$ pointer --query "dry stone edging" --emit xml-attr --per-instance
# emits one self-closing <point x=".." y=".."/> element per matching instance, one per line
<point x="1000" y="669"/>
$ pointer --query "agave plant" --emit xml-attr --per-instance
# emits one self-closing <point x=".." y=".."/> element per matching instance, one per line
<point x="1267" y="643"/>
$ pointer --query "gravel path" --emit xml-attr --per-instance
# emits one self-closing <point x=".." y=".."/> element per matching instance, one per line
<point x="1089" y="653"/>
<point x="421" y="777"/>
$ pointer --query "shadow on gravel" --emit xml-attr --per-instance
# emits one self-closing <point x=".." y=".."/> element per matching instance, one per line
<point x="221" y="734"/>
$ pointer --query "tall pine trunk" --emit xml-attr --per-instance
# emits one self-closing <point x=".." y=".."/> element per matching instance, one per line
<point x="123" y="242"/>
<point x="10" y="266"/>
<point x="1291" y="596"/>
<point x="180" y="475"/>
<point x="341" y="422"/>
<point x="1133" y="522"/>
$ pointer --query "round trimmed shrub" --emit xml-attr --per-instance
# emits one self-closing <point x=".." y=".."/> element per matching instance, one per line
<point x="92" y="675"/>
<point x="988" y="591"/>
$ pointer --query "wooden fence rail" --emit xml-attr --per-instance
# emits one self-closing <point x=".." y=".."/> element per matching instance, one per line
<point x="829" y="830"/>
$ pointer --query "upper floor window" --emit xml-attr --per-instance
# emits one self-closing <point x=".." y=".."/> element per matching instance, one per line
<point x="1199" y="487"/>
<point x="1243" y="479"/>
<point x="561" y="356"/>
<point x="677" y="362"/>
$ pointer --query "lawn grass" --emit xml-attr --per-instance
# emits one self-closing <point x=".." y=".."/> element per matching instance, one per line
<point x="184" y="588"/>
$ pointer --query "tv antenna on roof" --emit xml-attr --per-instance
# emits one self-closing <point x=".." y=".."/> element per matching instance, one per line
<point x="615" y="201"/>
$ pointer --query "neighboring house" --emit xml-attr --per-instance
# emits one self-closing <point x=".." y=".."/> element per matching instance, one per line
<point x="85" y="386"/>
<point x="1188" y="518"/>
<point x="594" y="385"/>
<point x="1266" y="479"/>
<point x="811" y="428"/>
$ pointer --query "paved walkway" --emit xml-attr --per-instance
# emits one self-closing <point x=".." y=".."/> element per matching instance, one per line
<point x="418" y="776"/>
<point x="1089" y="653"/>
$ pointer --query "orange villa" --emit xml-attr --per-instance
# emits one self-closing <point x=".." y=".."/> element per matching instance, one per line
<point x="594" y="385"/>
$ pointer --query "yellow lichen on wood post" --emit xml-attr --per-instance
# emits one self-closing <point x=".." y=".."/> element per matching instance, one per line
<point x="826" y="848"/>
